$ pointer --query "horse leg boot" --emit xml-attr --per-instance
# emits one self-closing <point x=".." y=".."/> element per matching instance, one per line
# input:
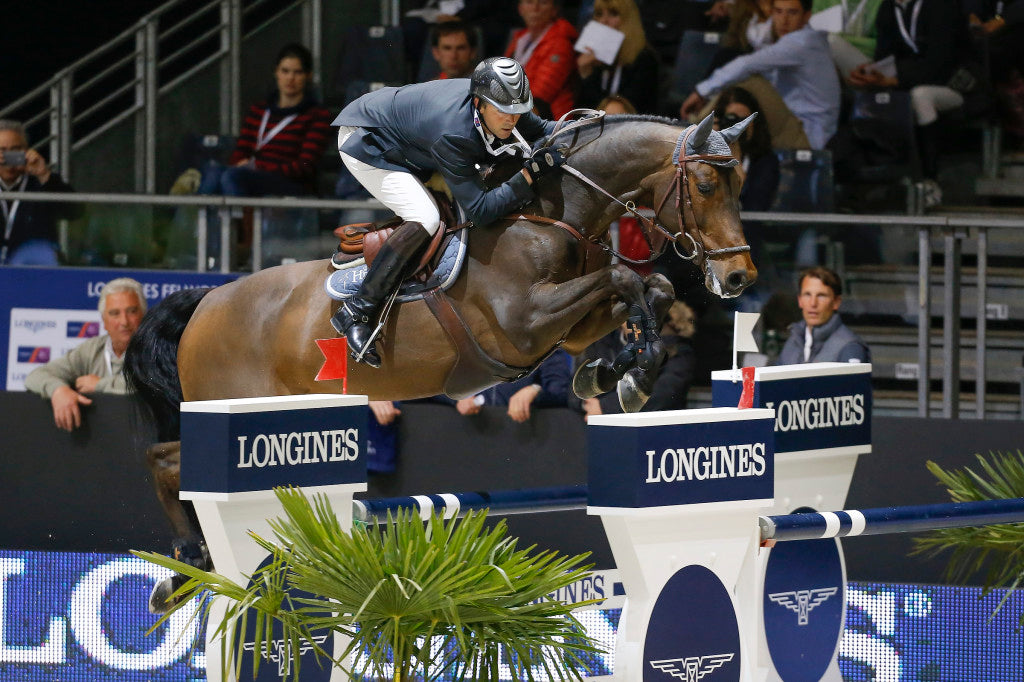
<point x="357" y="316"/>
<point x="600" y="376"/>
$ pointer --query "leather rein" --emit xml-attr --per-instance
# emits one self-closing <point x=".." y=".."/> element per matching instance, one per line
<point x="678" y="185"/>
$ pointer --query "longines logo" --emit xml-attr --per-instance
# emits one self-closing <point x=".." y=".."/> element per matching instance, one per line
<point x="802" y="602"/>
<point x="693" y="668"/>
<point x="274" y="651"/>
<point x="818" y="413"/>
<point x="701" y="463"/>
<point x="291" y="449"/>
<point x="35" y="326"/>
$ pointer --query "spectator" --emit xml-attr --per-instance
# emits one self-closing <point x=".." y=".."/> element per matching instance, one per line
<point x="634" y="74"/>
<point x="926" y="38"/>
<point x="546" y="386"/>
<point x="674" y="379"/>
<point x="453" y="45"/>
<point x="382" y="437"/>
<point x="799" y="66"/>
<point x="282" y="138"/>
<point x="616" y="105"/>
<point x="94" y="366"/>
<point x="750" y="29"/>
<point x="821" y="336"/>
<point x="545" y="49"/>
<point x="30" y="227"/>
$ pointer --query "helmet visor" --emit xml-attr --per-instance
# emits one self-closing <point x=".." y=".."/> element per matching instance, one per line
<point x="514" y="108"/>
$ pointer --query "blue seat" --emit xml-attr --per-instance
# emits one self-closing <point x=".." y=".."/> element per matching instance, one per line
<point x="696" y="52"/>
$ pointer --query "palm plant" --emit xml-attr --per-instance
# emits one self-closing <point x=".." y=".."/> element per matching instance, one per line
<point x="428" y="598"/>
<point x="996" y="552"/>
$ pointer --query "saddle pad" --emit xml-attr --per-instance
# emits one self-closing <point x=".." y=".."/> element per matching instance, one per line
<point x="342" y="284"/>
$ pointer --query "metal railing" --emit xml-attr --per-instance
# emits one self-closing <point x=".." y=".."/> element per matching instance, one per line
<point x="124" y="79"/>
<point x="954" y="231"/>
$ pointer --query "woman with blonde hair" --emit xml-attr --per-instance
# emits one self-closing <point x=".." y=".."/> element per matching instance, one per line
<point x="634" y="74"/>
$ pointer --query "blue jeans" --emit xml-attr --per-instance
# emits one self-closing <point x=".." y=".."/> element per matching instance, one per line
<point x="239" y="181"/>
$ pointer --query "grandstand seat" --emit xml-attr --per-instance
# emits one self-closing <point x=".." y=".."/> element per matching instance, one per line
<point x="696" y="51"/>
<point x="369" y="54"/>
<point x="806" y="181"/>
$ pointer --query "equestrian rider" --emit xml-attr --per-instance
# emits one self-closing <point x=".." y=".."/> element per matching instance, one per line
<point x="393" y="139"/>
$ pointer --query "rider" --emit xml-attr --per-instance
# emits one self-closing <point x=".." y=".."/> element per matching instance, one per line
<point x="393" y="139"/>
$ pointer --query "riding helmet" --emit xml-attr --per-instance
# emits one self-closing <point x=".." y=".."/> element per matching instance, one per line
<point x="502" y="82"/>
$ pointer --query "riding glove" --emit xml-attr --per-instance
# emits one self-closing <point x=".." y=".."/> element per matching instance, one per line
<point x="543" y="162"/>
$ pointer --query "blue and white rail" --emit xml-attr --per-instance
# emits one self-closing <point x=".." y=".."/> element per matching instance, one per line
<point x="498" y="502"/>
<point x="883" y="520"/>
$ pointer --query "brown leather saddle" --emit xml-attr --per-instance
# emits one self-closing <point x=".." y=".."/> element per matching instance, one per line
<point x="363" y="240"/>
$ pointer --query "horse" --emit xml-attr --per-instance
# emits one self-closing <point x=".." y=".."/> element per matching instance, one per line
<point x="531" y="283"/>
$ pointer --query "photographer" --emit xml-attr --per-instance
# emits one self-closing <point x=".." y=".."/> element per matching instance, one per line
<point x="29" y="227"/>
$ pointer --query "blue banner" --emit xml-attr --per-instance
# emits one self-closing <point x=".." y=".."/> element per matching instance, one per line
<point x="45" y="312"/>
<point x="246" y="451"/>
<point x="671" y="464"/>
<point x="811" y="412"/>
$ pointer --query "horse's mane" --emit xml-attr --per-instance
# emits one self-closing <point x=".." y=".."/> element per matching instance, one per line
<point x="643" y="118"/>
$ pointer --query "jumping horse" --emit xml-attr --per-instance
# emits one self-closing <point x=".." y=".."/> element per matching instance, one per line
<point x="531" y="283"/>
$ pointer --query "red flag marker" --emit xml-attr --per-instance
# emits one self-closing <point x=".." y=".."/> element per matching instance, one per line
<point x="747" y="396"/>
<point x="335" y="361"/>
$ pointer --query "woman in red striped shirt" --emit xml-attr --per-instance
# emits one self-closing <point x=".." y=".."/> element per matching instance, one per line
<point x="282" y="139"/>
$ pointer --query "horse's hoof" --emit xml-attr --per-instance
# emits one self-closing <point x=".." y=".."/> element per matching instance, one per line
<point x="594" y="378"/>
<point x="160" y="599"/>
<point x="634" y="391"/>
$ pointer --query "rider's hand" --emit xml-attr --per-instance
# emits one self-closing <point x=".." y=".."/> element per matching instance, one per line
<point x="543" y="162"/>
<point x="66" y="413"/>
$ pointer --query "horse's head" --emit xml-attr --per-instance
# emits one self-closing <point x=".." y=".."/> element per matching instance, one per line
<point x="698" y="198"/>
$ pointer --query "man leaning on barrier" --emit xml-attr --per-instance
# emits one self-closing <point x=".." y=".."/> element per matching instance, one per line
<point x="94" y="366"/>
<point x="821" y="336"/>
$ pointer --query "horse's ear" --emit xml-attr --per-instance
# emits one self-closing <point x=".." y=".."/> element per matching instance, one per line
<point x="699" y="137"/>
<point x="733" y="132"/>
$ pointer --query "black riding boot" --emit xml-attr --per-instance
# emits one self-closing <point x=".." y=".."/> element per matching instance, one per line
<point x="358" y="315"/>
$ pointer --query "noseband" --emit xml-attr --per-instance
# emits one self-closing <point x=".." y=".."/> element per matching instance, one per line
<point x="679" y="185"/>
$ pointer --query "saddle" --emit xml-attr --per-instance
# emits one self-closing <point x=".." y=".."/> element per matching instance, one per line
<point x="363" y="240"/>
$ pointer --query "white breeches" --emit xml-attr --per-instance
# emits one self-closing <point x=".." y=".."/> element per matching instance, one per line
<point x="929" y="100"/>
<point x="400" y="191"/>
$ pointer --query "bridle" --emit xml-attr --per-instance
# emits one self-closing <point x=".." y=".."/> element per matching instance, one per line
<point x="678" y="185"/>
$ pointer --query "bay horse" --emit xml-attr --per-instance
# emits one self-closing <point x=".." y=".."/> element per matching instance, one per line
<point x="529" y="285"/>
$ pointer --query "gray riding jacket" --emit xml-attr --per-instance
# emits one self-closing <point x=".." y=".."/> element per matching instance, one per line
<point x="428" y="127"/>
<point x="831" y="342"/>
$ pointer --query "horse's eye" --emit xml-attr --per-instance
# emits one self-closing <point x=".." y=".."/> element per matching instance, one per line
<point x="705" y="187"/>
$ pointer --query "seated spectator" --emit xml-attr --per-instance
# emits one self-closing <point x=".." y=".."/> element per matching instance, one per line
<point x="927" y="39"/>
<point x="546" y="386"/>
<point x="855" y="33"/>
<point x="799" y="66"/>
<point x="821" y="336"/>
<point x="453" y="44"/>
<point x="616" y="105"/>
<point x="545" y="49"/>
<point x="29" y="234"/>
<point x="94" y="366"/>
<point x="633" y="75"/>
<point x="750" y="29"/>
<point x="1000" y="25"/>
<point x="676" y="375"/>
<point x="282" y="138"/>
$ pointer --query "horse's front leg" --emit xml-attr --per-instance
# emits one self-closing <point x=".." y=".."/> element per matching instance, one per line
<point x="566" y="304"/>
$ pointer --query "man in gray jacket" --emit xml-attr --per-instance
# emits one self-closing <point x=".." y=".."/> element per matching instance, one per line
<point x="393" y="139"/>
<point x="94" y="366"/>
<point x="821" y="336"/>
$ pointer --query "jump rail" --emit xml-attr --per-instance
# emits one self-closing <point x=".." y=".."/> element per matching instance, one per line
<point x="838" y="524"/>
<point x="499" y="502"/>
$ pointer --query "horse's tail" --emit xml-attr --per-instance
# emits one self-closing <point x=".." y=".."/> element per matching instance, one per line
<point x="151" y="361"/>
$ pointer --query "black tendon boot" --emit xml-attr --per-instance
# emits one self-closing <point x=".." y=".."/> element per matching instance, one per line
<point x="358" y="315"/>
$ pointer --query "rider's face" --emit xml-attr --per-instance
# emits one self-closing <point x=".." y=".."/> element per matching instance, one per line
<point x="497" y="123"/>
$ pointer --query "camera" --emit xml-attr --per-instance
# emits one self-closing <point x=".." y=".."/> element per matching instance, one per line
<point x="12" y="157"/>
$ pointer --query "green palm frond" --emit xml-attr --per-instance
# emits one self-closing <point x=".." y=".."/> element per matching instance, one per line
<point x="443" y="596"/>
<point x="994" y="552"/>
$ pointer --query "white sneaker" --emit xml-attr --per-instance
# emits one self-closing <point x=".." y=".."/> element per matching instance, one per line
<point x="930" y="193"/>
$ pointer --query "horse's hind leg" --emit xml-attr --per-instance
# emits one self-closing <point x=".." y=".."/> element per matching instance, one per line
<point x="164" y="460"/>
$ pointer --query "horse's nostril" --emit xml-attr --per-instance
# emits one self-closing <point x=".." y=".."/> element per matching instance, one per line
<point x="736" y="279"/>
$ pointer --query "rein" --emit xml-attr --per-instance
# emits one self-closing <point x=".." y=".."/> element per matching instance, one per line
<point x="679" y="185"/>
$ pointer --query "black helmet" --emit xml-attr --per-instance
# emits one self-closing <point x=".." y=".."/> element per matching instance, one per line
<point x="500" y="81"/>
